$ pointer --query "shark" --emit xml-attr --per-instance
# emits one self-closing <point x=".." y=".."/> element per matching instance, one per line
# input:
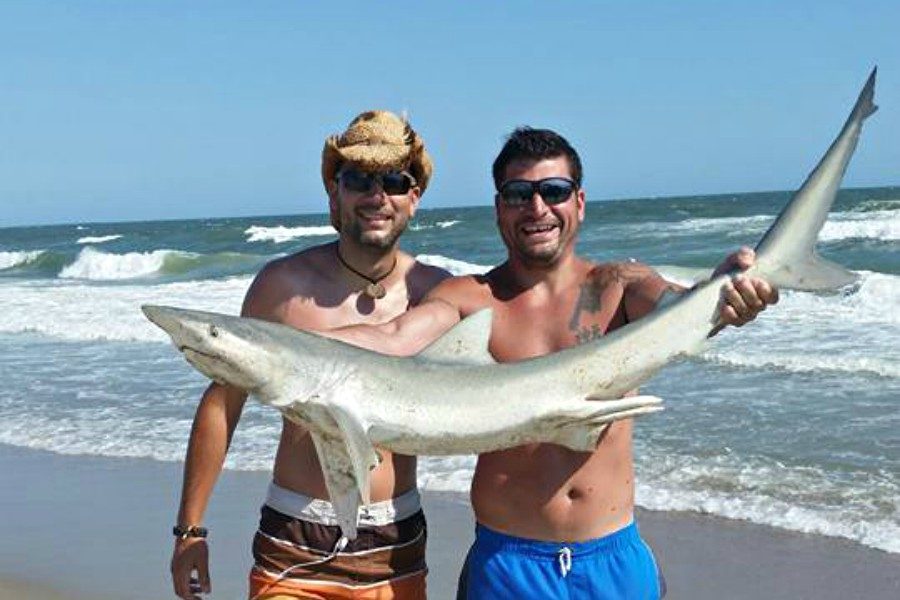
<point x="453" y="398"/>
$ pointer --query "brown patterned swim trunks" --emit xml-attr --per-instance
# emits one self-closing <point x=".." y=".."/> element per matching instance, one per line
<point x="299" y="551"/>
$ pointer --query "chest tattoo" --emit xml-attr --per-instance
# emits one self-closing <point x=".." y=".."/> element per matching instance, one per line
<point x="589" y="302"/>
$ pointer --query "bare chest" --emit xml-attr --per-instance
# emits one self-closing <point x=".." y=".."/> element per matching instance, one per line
<point x="352" y="309"/>
<point x="527" y="329"/>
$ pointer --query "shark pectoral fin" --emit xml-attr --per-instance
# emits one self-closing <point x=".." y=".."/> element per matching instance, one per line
<point x="812" y="273"/>
<point x="591" y="418"/>
<point x="338" y="472"/>
<point x="466" y="343"/>
<point x="359" y="448"/>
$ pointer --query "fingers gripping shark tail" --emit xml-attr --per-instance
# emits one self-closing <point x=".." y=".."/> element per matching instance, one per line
<point x="786" y="255"/>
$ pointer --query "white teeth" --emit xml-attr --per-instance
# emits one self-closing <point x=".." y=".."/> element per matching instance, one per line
<point x="538" y="228"/>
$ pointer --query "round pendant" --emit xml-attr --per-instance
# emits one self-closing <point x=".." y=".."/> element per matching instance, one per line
<point x="375" y="291"/>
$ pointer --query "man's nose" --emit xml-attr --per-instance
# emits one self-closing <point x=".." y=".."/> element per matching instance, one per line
<point x="536" y="204"/>
<point x="377" y="196"/>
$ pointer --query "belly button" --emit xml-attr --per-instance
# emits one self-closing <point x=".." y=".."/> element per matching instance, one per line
<point x="573" y="494"/>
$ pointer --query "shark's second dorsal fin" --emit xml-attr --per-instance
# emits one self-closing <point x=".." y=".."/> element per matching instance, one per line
<point x="465" y="344"/>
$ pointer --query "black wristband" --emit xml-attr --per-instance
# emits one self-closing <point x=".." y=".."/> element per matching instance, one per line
<point x="194" y="531"/>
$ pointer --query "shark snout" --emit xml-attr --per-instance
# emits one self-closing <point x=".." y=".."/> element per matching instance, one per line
<point x="186" y="327"/>
<point x="165" y="317"/>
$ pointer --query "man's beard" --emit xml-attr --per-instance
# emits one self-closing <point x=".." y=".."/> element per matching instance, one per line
<point x="543" y="256"/>
<point x="375" y="239"/>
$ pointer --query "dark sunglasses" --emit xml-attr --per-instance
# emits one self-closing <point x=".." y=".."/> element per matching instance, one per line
<point x="554" y="190"/>
<point x="394" y="183"/>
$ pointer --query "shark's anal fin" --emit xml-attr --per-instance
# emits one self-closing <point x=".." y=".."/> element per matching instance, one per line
<point x="465" y="344"/>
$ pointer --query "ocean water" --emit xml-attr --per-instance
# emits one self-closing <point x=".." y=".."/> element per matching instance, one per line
<point x="793" y="421"/>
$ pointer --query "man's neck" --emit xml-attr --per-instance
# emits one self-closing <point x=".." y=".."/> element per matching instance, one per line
<point x="371" y="261"/>
<point x="551" y="277"/>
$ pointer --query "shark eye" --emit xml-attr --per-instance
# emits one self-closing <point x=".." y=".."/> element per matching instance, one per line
<point x="213" y="331"/>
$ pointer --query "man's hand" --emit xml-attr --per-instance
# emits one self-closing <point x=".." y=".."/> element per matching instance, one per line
<point x="744" y="297"/>
<point x="191" y="555"/>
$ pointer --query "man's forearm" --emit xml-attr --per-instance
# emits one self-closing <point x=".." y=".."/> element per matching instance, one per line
<point x="406" y="335"/>
<point x="214" y="423"/>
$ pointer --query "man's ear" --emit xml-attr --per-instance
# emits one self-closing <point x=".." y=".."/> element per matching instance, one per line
<point x="415" y="194"/>
<point x="579" y="198"/>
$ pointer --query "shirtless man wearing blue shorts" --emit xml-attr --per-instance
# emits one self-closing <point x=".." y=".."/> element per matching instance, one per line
<point x="552" y="522"/>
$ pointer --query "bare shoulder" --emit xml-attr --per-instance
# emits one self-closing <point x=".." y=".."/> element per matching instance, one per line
<point x="422" y="278"/>
<point x="642" y="286"/>
<point x="467" y="293"/>
<point x="630" y="273"/>
<point x="285" y="280"/>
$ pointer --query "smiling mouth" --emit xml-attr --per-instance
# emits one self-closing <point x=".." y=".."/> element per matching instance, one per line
<point x="538" y="229"/>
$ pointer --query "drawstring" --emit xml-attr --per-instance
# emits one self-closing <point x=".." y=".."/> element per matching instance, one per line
<point x="565" y="560"/>
<point x="338" y="546"/>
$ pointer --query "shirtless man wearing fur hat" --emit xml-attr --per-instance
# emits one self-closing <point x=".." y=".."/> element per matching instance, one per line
<point x="374" y="173"/>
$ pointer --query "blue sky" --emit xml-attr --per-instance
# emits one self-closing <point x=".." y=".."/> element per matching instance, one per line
<point x="115" y="111"/>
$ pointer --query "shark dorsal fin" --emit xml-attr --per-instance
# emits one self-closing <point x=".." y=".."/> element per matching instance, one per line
<point x="466" y="343"/>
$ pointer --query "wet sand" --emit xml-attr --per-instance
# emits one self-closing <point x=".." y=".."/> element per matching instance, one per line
<point x="78" y="528"/>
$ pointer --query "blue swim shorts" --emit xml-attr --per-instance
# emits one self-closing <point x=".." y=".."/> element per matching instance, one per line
<point x="615" y="567"/>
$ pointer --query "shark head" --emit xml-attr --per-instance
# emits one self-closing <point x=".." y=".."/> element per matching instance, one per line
<point x="225" y="348"/>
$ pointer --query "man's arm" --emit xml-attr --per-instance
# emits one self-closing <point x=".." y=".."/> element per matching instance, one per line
<point x="214" y="422"/>
<point x="744" y="297"/>
<point x="408" y="333"/>
<point x="216" y="418"/>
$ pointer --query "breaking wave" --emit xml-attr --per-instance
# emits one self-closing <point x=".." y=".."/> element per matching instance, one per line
<point x="94" y="265"/>
<point x="99" y="239"/>
<point x="99" y="266"/>
<point x="281" y="234"/>
<point x="883" y="225"/>
<point x="437" y="225"/>
<point x="453" y="266"/>
<point x="93" y="312"/>
<point x="9" y="260"/>
<point x="847" y="327"/>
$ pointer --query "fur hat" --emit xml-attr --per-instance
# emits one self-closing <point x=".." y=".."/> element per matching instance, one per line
<point x="378" y="140"/>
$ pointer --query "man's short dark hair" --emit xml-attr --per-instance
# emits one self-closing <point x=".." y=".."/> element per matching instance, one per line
<point x="526" y="143"/>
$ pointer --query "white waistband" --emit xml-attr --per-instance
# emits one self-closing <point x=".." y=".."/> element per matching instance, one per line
<point x="320" y="511"/>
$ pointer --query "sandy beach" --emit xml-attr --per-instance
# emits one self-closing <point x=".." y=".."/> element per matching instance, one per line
<point x="81" y="528"/>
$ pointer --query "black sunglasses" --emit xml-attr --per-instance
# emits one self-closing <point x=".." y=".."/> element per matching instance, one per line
<point x="554" y="190"/>
<point x="394" y="183"/>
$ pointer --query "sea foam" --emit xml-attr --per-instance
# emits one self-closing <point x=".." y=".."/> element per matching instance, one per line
<point x="96" y="265"/>
<point x="759" y="490"/>
<point x="281" y="234"/>
<point x="876" y="225"/>
<point x="81" y="311"/>
<point x="99" y="239"/>
<point x="846" y="328"/>
<point x="8" y="260"/>
<point x="436" y="225"/>
<point x="452" y="265"/>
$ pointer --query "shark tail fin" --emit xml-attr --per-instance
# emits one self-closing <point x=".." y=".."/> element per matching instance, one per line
<point x="812" y="274"/>
<point x="786" y="255"/>
<point x="866" y="103"/>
